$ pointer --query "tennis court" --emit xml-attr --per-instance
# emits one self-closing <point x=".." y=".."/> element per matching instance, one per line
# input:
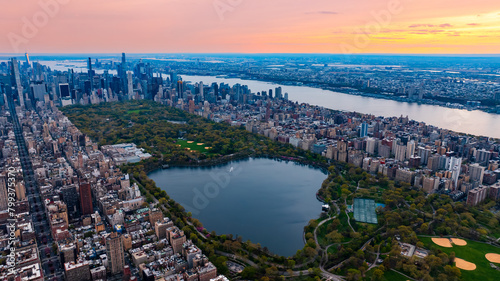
<point x="364" y="210"/>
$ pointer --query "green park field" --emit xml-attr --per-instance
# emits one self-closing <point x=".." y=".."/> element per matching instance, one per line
<point x="138" y="111"/>
<point x="389" y="275"/>
<point x="192" y="145"/>
<point x="473" y="252"/>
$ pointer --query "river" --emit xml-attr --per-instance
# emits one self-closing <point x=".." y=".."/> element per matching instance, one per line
<point x="474" y="122"/>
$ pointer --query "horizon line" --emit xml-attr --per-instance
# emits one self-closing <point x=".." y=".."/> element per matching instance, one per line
<point x="271" y="53"/>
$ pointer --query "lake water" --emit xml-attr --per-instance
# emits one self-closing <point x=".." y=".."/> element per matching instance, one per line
<point x="471" y="122"/>
<point x="262" y="200"/>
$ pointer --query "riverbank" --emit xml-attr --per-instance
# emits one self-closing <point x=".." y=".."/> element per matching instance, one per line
<point x="364" y="92"/>
<point x="464" y="122"/>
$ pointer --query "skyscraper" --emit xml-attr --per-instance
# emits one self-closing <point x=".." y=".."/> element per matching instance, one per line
<point x="38" y="90"/>
<point x="400" y="152"/>
<point x="278" y="93"/>
<point x="86" y="199"/>
<point x="483" y="157"/>
<point x="455" y="167"/>
<point x="476" y="173"/>
<point x="424" y="154"/>
<point x="17" y="81"/>
<point x="91" y="73"/>
<point x="410" y="149"/>
<point x="130" y="90"/>
<point x="364" y="130"/>
<point x="89" y="64"/>
<point x="173" y="78"/>
<point x="216" y="89"/>
<point x="27" y="58"/>
<point x="371" y="145"/>
<point x="114" y="251"/>
<point x="64" y="90"/>
<point x="123" y="76"/>
<point x="70" y="197"/>
<point x="124" y="62"/>
<point x="180" y="89"/>
<point x="200" y="89"/>
<point x="5" y="88"/>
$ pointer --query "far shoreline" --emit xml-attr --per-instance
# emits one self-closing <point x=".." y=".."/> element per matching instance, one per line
<point x="326" y="87"/>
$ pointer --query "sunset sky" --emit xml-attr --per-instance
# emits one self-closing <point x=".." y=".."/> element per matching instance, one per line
<point x="250" y="26"/>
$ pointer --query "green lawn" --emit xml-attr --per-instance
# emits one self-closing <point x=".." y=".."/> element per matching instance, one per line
<point x="389" y="275"/>
<point x="137" y="111"/>
<point x="333" y="249"/>
<point x="192" y="146"/>
<point x="473" y="252"/>
<point x="322" y="232"/>
<point x="344" y="227"/>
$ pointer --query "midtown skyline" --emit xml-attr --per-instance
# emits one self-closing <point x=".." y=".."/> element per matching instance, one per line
<point x="241" y="26"/>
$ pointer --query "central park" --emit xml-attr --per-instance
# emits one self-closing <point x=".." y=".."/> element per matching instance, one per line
<point x="336" y="246"/>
